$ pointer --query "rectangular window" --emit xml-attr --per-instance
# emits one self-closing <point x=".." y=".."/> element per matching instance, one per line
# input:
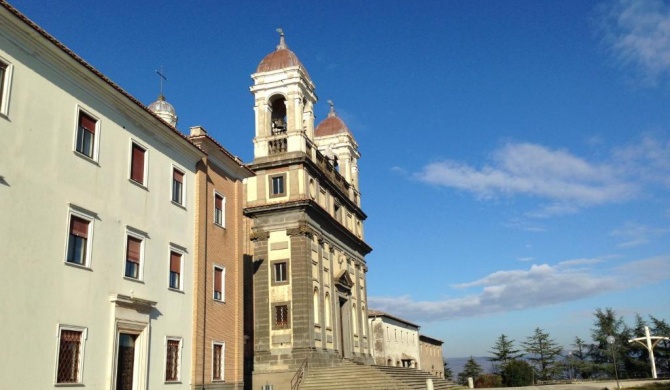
<point x="172" y="360"/>
<point x="277" y="185"/>
<point x="133" y="257"/>
<point x="175" y="270"/>
<point x="137" y="163"/>
<point x="78" y="243"/>
<point x="281" y="317"/>
<point x="218" y="353"/>
<point x="86" y="134"/>
<point x="5" y="83"/>
<point x="279" y="269"/>
<point x="337" y="211"/>
<point x="219" y="283"/>
<point x="70" y="355"/>
<point x="219" y="203"/>
<point x="177" y="186"/>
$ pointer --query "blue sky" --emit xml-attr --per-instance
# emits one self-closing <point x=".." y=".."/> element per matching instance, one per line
<point x="515" y="154"/>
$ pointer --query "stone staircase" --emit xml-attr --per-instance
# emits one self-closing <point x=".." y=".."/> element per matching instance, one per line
<point x="355" y="376"/>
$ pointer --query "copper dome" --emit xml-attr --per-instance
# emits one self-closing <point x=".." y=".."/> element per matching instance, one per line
<point x="281" y="58"/>
<point x="332" y="125"/>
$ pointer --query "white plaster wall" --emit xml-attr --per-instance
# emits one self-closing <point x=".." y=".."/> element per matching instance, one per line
<point x="41" y="176"/>
<point x="407" y="341"/>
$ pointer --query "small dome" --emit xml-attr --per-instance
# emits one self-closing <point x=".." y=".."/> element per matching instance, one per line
<point x="164" y="110"/>
<point x="281" y="58"/>
<point x="332" y="125"/>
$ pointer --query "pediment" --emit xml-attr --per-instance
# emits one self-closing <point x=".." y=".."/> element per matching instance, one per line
<point x="344" y="279"/>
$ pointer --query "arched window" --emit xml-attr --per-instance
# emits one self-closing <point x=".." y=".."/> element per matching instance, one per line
<point x="316" y="305"/>
<point x="327" y="304"/>
<point x="353" y="318"/>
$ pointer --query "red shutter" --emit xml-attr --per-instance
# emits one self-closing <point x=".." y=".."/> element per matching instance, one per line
<point x="175" y="262"/>
<point x="87" y="122"/>
<point x="137" y="169"/>
<point x="134" y="246"/>
<point x="218" y="202"/>
<point x="178" y="176"/>
<point x="79" y="227"/>
<point x="218" y="276"/>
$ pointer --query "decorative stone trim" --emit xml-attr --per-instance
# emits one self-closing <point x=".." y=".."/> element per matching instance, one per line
<point x="259" y="236"/>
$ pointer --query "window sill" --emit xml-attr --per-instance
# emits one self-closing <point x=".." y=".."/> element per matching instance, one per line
<point x="181" y="206"/>
<point x="141" y="185"/>
<point x="75" y="265"/>
<point x="69" y="385"/>
<point x="220" y="225"/>
<point x="172" y="382"/>
<point x="86" y="158"/>
<point x="177" y="290"/>
<point x="219" y="300"/>
<point x="128" y="278"/>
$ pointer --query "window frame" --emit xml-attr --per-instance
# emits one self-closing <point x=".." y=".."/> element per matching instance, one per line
<point x="222" y="284"/>
<point x="277" y="263"/>
<point x="95" y="136"/>
<point x="220" y="218"/>
<point x="180" y="347"/>
<point x="181" y="254"/>
<point x="284" y="182"/>
<point x="82" y="347"/>
<point x="182" y="189"/>
<point x="90" y="217"/>
<point x="222" y="361"/>
<point x="142" y="237"/>
<point x="145" y="164"/>
<point x="286" y="324"/>
<point x="5" y="86"/>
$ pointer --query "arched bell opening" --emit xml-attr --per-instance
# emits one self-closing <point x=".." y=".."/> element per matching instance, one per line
<point x="278" y="117"/>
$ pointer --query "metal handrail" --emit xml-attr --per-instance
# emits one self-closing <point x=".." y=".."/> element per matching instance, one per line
<point x="299" y="375"/>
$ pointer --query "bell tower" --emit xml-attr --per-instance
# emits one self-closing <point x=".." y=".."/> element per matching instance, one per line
<point x="308" y="292"/>
<point x="284" y="104"/>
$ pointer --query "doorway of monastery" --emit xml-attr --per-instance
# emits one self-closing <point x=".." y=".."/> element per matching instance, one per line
<point x="345" y="327"/>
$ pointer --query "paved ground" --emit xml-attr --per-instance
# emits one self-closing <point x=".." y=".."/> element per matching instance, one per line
<point x="611" y="385"/>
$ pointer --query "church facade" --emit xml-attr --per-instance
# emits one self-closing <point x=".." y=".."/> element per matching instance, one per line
<point x="309" y="295"/>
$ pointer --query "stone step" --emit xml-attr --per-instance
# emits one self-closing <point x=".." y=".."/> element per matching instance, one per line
<point x="357" y="376"/>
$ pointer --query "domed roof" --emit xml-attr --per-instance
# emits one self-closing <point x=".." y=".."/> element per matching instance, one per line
<point x="332" y="125"/>
<point x="281" y="58"/>
<point x="161" y="105"/>
<point x="164" y="110"/>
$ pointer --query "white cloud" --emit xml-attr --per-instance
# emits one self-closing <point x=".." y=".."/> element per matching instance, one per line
<point x="638" y="35"/>
<point x="540" y="285"/>
<point x="635" y="234"/>
<point x="568" y="181"/>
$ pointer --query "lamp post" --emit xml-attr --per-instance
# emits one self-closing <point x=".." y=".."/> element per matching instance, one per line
<point x="610" y="341"/>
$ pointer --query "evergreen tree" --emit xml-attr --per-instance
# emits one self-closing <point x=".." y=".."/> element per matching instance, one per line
<point x="517" y="373"/>
<point x="579" y="360"/>
<point x="448" y="374"/>
<point x="608" y="324"/>
<point x="543" y="352"/>
<point x="659" y="327"/>
<point x="636" y="360"/>
<point x="472" y="369"/>
<point x="503" y="352"/>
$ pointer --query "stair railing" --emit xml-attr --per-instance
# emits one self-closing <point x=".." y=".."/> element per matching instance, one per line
<point x="299" y="375"/>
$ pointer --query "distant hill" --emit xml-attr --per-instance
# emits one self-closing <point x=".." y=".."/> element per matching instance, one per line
<point x="456" y="364"/>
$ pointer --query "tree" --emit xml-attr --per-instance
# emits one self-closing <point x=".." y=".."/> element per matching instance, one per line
<point x="607" y="323"/>
<point x="472" y="369"/>
<point x="448" y="374"/>
<point x="579" y="359"/>
<point x="662" y="351"/>
<point x="543" y="352"/>
<point x="517" y="373"/>
<point x="503" y="352"/>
